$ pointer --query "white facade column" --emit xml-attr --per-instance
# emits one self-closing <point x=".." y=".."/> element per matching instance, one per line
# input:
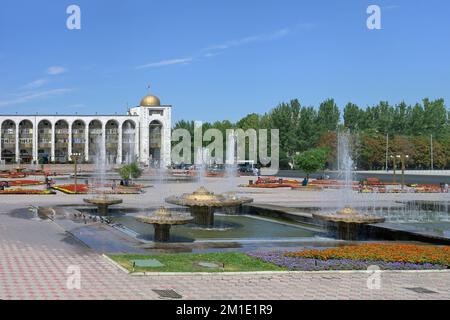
<point x="1" y="142"/>
<point x="145" y="143"/>
<point x="86" y="142"/>
<point x="137" y="145"/>
<point x="69" y="148"/>
<point x="35" y="141"/>
<point x="17" y="143"/>
<point x="167" y="137"/>
<point x="103" y="146"/>
<point x="52" y="155"/>
<point x="119" y="145"/>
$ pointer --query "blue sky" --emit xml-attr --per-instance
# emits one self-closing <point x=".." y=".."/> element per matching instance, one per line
<point x="217" y="59"/>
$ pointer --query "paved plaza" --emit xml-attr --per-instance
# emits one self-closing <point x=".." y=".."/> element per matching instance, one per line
<point x="36" y="258"/>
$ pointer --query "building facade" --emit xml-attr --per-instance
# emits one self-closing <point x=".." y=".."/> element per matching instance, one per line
<point x="144" y="135"/>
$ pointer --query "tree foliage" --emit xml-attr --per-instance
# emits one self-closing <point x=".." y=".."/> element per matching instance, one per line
<point x="302" y="128"/>
<point x="312" y="160"/>
<point x="130" y="171"/>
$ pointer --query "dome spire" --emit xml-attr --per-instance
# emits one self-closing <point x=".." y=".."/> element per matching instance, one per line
<point x="150" y="100"/>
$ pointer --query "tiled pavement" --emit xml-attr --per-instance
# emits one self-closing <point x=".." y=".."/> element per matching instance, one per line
<point x="35" y="257"/>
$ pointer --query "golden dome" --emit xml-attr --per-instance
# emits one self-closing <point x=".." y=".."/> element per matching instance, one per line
<point x="150" y="101"/>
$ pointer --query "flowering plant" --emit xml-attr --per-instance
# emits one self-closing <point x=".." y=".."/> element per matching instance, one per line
<point x="27" y="191"/>
<point x="405" y="253"/>
<point x="85" y="189"/>
<point x="70" y="188"/>
<point x="282" y="259"/>
<point x="25" y="183"/>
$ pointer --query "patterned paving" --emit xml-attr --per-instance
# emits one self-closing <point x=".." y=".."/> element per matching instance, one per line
<point x="35" y="257"/>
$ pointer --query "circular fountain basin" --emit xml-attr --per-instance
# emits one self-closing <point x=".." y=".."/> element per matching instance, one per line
<point x="347" y="223"/>
<point x="204" y="198"/>
<point x="162" y="220"/>
<point x="203" y="202"/>
<point x="349" y="215"/>
<point x="103" y="203"/>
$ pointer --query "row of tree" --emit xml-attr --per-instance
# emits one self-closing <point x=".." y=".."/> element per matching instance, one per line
<point x="428" y="118"/>
<point x="397" y="129"/>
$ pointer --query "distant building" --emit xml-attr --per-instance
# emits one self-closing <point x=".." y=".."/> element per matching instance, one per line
<point x="144" y="134"/>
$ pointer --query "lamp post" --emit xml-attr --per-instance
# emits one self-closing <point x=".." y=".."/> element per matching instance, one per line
<point x="75" y="157"/>
<point x="402" y="157"/>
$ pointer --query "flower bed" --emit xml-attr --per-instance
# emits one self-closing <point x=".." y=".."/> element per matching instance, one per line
<point x="27" y="191"/>
<point x="399" y="190"/>
<point x="281" y="259"/>
<point x="85" y="189"/>
<point x="405" y="253"/>
<point x="18" y="183"/>
<point x="273" y="185"/>
<point x="313" y="184"/>
<point x="70" y="188"/>
<point x="272" y="182"/>
<point x="15" y="175"/>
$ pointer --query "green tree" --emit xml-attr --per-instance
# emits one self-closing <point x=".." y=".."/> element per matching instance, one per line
<point x="130" y="171"/>
<point x="251" y="121"/>
<point x="328" y="116"/>
<point x="372" y="153"/>
<point x="352" y="117"/>
<point x="329" y="141"/>
<point x="305" y="128"/>
<point x="286" y="118"/>
<point x="400" y="118"/>
<point x="434" y="117"/>
<point x="384" y="117"/>
<point x="307" y="133"/>
<point x="312" y="160"/>
<point x="415" y="123"/>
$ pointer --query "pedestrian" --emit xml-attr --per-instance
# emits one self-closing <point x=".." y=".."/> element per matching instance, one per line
<point x="305" y="182"/>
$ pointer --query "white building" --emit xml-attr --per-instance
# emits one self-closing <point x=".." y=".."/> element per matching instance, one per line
<point x="144" y="134"/>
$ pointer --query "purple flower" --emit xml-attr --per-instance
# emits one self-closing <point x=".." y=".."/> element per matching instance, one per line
<point x="309" y="264"/>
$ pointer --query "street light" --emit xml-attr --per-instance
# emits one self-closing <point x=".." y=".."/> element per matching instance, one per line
<point x="402" y="158"/>
<point x="75" y="157"/>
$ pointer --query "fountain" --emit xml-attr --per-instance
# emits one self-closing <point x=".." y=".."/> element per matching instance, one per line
<point x="103" y="202"/>
<point x="231" y="168"/>
<point x="201" y="161"/>
<point x="203" y="204"/>
<point x="347" y="221"/>
<point x="162" y="220"/>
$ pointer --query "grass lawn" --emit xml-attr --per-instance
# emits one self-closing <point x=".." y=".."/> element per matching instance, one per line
<point x="231" y="262"/>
